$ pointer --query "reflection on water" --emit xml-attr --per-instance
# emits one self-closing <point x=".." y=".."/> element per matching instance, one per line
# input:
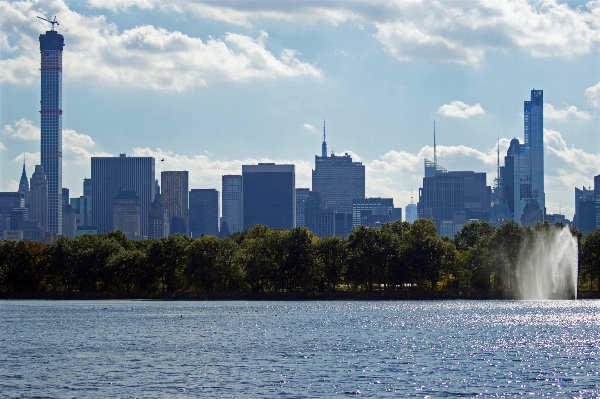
<point x="299" y="349"/>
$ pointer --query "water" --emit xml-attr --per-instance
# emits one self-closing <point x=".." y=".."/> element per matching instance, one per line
<point x="90" y="349"/>
<point x="548" y="269"/>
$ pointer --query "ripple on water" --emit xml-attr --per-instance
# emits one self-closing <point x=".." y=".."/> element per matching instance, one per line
<point x="299" y="349"/>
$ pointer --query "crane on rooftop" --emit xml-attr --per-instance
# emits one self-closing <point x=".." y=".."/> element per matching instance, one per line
<point x="53" y="22"/>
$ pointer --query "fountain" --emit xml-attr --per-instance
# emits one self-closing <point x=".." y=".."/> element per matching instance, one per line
<point x="547" y="269"/>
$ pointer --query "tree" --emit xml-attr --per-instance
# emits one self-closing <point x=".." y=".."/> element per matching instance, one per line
<point x="507" y="243"/>
<point x="333" y="256"/>
<point x="590" y="256"/>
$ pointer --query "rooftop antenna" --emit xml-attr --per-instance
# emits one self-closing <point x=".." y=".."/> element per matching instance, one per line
<point x="324" y="145"/>
<point x="53" y="22"/>
<point x="434" y="147"/>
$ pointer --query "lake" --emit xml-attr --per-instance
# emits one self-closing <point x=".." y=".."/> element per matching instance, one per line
<point x="308" y="349"/>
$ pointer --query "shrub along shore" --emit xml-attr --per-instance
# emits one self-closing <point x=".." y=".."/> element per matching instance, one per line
<point x="398" y="261"/>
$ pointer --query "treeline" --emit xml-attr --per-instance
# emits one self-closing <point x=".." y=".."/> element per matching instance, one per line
<point x="398" y="256"/>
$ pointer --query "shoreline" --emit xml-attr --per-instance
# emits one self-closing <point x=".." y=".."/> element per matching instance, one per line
<point x="277" y="296"/>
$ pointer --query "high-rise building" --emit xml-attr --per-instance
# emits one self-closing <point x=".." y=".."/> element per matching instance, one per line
<point x="69" y="222"/>
<point x="174" y="198"/>
<point x="372" y="212"/>
<point x="269" y="195"/>
<point x="82" y="207"/>
<point x="585" y="209"/>
<point x="527" y="161"/>
<point x="301" y="197"/>
<point x="597" y="199"/>
<point x="87" y="187"/>
<point x="411" y="213"/>
<point x="477" y="195"/>
<point x="38" y="209"/>
<point x="338" y="179"/>
<point x="127" y="213"/>
<point x="158" y="222"/>
<point x="51" y="48"/>
<point x="204" y="212"/>
<point x="441" y="196"/>
<point x="8" y="202"/>
<point x="232" y="204"/>
<point x="113" y="174"/>
<point x="65" y="198"/>
<point x="24" y="186"/>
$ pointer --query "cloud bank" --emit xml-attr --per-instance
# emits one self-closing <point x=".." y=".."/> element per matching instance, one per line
<point x="458" y="109"/>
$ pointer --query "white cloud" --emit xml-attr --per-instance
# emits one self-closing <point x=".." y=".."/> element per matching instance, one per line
<point x="463" y="32"/>
<point x="206" y="172"/>
<point x="593" y="95"/>
<point x="2" y="147"/>
<point x="12" y="185"/>
<point x="123" y="5"/>
<point x="309" y="128"/>
<point x="570" y="110"/>
<point x="23" y="129"/>
<point x="458" y="109"/>
<point x="144" y="56"/>
<point x="577" y="160"/>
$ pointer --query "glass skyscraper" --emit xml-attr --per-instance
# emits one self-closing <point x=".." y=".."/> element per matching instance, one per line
<point x="51" y="47"/>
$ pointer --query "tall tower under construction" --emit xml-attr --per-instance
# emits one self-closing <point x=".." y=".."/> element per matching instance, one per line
<point x="51" y="48"/>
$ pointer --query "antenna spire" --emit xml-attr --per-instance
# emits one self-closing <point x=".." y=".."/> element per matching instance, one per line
<point x="434" y="146"/>
<point x="324" y="145"/>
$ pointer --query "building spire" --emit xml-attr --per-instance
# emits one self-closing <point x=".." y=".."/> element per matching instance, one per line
<point x="324" y="145"/>
<point x="434" y="146"/>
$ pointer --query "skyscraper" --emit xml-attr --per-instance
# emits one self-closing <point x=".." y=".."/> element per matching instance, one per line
<point x="51" y="48"/>
<point x="301" y="197"/>
<point x="24" y="186"/>
<point x="127" y="214"/>
<point x="269" y="195"/>
<point x="113" y="174"/>
<point x="174" y="198"/>
<point x="232" y="203"/>
<point x="338" y="179"/>
<point x="597" y="199"/>
<point x="527" y="160"/>
<point x="204" y="212"/>
<point x="38" y="210"/>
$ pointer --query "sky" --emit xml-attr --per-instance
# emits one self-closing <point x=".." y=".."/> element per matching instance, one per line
<point x="210" y="86"/>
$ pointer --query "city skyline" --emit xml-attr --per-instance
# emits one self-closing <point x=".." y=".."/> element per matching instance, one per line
<point x="390" y="142"/>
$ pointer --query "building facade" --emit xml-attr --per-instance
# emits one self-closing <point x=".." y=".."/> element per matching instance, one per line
<point x="158" y="221"/>
<point x="174" y="198"/>
<point x="24" y="186"/>
<point x="38" y="209"/>
<point x="51" y="48"/>
<point x="232" y="205"/>
<point x="269" y="195"/>
<point x="372" y="212"/>
<point x="585" y="209"/>
<point x="204" y="212"/>
<point x="127" y="213"/>
<point x="113" y="174"/>
<point x="301" y="197"/>
<point x="338" y="179"/>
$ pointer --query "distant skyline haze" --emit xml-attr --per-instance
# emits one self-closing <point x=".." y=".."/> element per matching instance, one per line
<point x="209" y="86"/>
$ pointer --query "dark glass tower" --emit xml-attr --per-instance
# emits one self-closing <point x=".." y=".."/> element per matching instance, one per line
<point x="51" y="47"/>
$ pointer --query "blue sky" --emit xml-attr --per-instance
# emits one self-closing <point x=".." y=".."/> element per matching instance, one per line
<point x="211" y="86"/>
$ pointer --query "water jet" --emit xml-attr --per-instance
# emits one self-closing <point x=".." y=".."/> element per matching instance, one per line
<point x="547" y="267"/>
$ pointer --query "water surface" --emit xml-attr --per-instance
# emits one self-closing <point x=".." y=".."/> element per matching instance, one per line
<point x="62" y="349"/>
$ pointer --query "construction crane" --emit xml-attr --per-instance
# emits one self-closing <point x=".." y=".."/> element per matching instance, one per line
<point x="52" y="22"/>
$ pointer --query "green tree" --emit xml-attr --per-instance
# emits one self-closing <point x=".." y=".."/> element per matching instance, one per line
<point x="590" y="257"/>
<point x="333" y="255"/>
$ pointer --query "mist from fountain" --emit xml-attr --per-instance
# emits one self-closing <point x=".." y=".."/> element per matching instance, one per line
<point x="547" y="269"/>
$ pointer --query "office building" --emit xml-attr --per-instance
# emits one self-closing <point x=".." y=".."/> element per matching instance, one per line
<point x="373" y="212"/>
<point x="174" y="198"/>
<point x="204" y="212"/>
<point x="18" y="215"/>
<point x="338" y="179"/>
<point x="51" y="48"/>
<point x="269" y="195"/>
<point x="158" y="221"/>
<point x="127" y="213"/>
<point x="597" y="199"/>
<point x="585" y="209"/>
<point x="69" y="222"/>
<point x="8" y="202"/>
<point x="113" y="174"/>
<point x="38" y="208"/>
<point x="65" y="198"/>
<point x="534" y="139"/>
<point x="87" y="187"/>
<point x="411" y="213"/>
<point x="477" y="201"/>
<point x="232" y="204"/>
<point x="24" y="186"/>
<point x="82" y="207"/>
<point x="301" y="197"/>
